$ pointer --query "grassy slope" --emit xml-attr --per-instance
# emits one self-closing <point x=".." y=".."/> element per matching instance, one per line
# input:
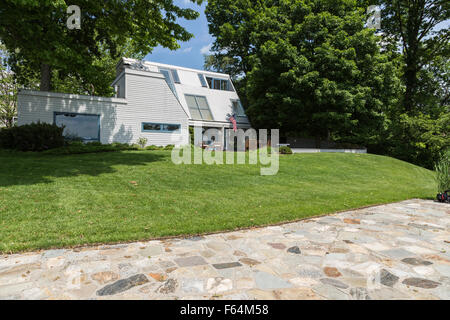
<point x="51" y="201"/>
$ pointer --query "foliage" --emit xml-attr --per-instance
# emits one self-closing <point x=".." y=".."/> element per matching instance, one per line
<point x="153" y="147"/>
<point x="8" y="92"/>
<point x="142" y="142"/>
<point x="32" y="137"/>
<point x="36" y="34"/>
<point x="285" y="150"/>
<point x="169" y="147"/>
<point x="90" y="147"/>
<point x="413" y="25"/>
<point x="80" y="199"/>
<point x="442" y="169"/>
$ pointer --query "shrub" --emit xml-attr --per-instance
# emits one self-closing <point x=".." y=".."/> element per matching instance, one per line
<point x="142" y="142"/>
<point x="90" y="148"/>
<point x="169" y="147"/>
<point x="285" y="150"/>
<point x="32" y="137"/>
<point x="442" y="168"/>
<point x="153" y="147"/>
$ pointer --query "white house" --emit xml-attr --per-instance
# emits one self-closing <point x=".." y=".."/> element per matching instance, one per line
<point x="153" y="100"/>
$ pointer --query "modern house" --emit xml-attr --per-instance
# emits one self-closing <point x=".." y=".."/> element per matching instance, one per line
<point x="153" y="100"/>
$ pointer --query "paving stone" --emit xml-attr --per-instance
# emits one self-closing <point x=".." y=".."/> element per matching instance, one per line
<point x="190" y="261"/>
<point x="295" y="294"/>
<point x="192" y="286"/>
<point x="123" y="285"/>
<point x="416" y="262"/>
<point x="250" y="262"/>
<point x="332" y="272"/>
<point x="397" y="253"/>
<point x="218" y="285"/>
<point x="295" y="250"/>
<point x="105" y="276"/>
<point x="334" y="282"/>
<point x="168" y="287"/>
<point x="227" y="265"/>
<point x="309" y="272"/>
<point x="266" y="281"/>
<point x="277" y="245"/>
<point x="330" y="292"/>
<point x="421" y="283"/>
<point x="360" y="293"/>
<point x="387" y="278"/>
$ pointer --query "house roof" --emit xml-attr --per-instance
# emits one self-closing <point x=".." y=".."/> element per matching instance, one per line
<point x="219" y="101"/>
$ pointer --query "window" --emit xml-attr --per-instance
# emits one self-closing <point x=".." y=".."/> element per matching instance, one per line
<point x="175" y="77"/>
<point x="237" y="108"/>
<point x="219" y="84"/>
<point x="199" y="108"/>
<point x="161" y="127"/>
<point x="202" y="80"/>
<point x="170" y="79"/>
<point x="78" y="125"/>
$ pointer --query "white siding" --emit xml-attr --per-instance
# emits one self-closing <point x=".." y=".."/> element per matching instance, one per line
<point x="149" y="100"/>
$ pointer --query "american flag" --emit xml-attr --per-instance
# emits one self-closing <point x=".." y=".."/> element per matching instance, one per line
<point x="233" y="121"/>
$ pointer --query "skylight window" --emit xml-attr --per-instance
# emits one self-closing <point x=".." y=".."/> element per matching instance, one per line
<point x="219" y="84"/>
<point x="202" y="80"/>
<point x="170" y="79"/>
<point x="238" y="110"/>
<point x="198" y="107"/>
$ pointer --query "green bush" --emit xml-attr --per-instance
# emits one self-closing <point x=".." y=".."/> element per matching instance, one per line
<point x="142" y="142"/>
<point x="169" y="147"/>
<point x="285" y="150"/>
<point x="32" y="137"/>
<point x="153" y="147"/>
<point x="442" y="168"/>
<point x="75" y="148"/>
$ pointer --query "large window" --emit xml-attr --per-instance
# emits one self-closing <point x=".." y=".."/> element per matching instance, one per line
<point x="160" y="127"/>
<point x="219" y="84"/>
<point x="79" y="126"/>
<point x="199" y="108"/>
<point x="237" y="108"/>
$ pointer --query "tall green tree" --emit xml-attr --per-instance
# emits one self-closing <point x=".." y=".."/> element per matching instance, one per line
<point x="311" y="67"/>
<point x="36" y="34"/>
<point x="414" y="25"/>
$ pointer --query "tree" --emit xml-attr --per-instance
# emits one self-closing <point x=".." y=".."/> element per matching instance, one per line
<point x="8" y="92"/>
<point x="413" y="24"/>
<point x="36" y="34"/>
<point x="311" y="67"/>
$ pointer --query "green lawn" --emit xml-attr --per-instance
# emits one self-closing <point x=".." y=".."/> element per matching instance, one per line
<point x="55" y="201"/>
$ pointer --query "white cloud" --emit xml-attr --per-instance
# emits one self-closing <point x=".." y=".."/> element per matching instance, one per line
<point x="206" y="49"/>
<point x="186" y="50"/>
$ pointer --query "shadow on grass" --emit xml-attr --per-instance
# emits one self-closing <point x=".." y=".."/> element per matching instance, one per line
<point x="27" y="168"/>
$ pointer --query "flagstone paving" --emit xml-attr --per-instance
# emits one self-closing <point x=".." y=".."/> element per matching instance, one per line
<point x="394" y="251"/>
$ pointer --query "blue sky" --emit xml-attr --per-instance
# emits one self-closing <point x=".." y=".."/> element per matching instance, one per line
<point x="190" y="54"/>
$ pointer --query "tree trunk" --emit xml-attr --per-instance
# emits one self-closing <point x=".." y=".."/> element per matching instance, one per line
<point x="46" y="77"/>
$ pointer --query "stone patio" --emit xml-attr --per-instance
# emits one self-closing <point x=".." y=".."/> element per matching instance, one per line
<point x="395" y="251"/>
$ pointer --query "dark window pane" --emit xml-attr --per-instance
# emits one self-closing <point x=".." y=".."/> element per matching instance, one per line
<point x="81" y="126"/>
<point x="151" y="126"/>
<point x="171" y="127"/>
<point x="223" y="85"/>
<point x="217" y="84"/>
<point x="210" y="82"/>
